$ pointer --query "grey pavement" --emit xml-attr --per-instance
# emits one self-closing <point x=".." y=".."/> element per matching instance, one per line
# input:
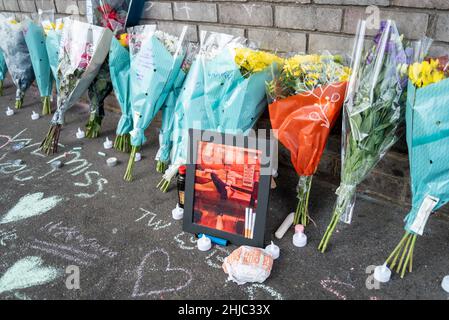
<point x="123" y="241"/>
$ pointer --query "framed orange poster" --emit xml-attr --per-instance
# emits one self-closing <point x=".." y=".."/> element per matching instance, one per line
<point x="227" y="188"/>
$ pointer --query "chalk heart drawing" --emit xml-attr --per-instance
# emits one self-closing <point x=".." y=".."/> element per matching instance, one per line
<point x="27" y="272"/>
<point x="30" y="205"/>
<point x="156" y="276"/>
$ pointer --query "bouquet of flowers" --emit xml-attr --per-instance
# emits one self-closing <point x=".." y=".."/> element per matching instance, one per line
<point x="427" y="139"/>
<point x="17" y="56"/>
<point x="226" y="91"/>
<point x="97" y="92"/>
<point x="189" y="113"/>
<point x="156" y="59"/>
<point x="36" y="42"/>
<point x="83" y="50"/>
<point x="119" y="65"/>
<point x="372" y="114"/>
<point x="168" y="113"/>
<point x="53" y="32"/>
<point x="3" y="71"/>
<point x="307" y="98"/>
<point x="111" y="14"/>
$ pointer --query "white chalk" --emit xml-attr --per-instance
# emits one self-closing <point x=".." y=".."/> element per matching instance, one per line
<point x="101" y="154"/>
<point x="34" y="116"/>
<point x="283" y="228"/>
<point x="9" y="112"/>
<point x="80" y="134"/>
<point x="138" y="157"/>
<point x="107" y="144"/>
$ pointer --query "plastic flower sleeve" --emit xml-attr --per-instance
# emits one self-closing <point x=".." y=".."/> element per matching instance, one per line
<point x="427" y="118"/>
<point x="156" y="58"/>
<point x="372" y="114"/>
<point x="36" y="42"/>
<point x="227" y="91"/>
<point x="234" y="82"/>
<point x="119" y="66"/>
<point x="52" y="44"/>
<point x="189" y="113"/>
<point x="83" y="50"/>
<point x="17" y="56"/>
<point x="3" y="71"/>
<point x="111" y="14"/>
<point x="303" y="120"/>
<point x="168" y="111"/>
<point x="97" y="92"/>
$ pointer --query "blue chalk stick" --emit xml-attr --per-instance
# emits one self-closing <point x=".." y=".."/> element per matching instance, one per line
<point x="219" y="241"/>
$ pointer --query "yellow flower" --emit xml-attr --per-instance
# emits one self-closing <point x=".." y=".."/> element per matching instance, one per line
<point x="255" y="61"/>
<point x="124" y="40"/>
<point x="425" y="73"/>
<point x="346" y="72"/>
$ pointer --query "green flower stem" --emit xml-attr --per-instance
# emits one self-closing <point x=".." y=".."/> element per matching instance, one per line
<point x="163" y="185"/>
<point x="129" y="169"/>
<point x="93" y="126"/>
<point x="46" y="105"/>
<point x="50" y="143"/>
<point x="123" y="143"/>
<point x="302" y="209"/>
<point x="1" y="88"/>
<point x="161" y="166"/>
<point x="19" y="103"/>
<point x="343" y="203"/>
<point x="404" y="250"/>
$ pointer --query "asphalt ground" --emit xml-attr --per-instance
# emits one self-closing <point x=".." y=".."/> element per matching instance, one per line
<point x="121" y="240"/>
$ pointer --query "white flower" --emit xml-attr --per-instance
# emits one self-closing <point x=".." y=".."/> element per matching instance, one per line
<point x="170" y="42"/>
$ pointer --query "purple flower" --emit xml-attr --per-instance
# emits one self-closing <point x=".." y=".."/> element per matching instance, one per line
<point x="378" y="36"/>
<point x="409" y="53"/>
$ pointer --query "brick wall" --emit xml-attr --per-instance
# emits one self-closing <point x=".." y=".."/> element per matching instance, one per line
<point x="295" y="25"/>
<point x="284" y="25"/>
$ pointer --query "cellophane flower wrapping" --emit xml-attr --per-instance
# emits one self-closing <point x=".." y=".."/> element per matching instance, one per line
<point x="35" y="39"/>
<point x="98" y="91"/>
<point x="372" y="115"/>
<point x="119" y="66"/>
<point x="427" y="118"/>
<point x="168" y="111"/>
<point x="224" y="91"/>
<point x="83" y="50"/>
<point x="111" y="14"/>
<point x="189" y="113"/>
<point x="307" y="98"/>
<point x="53" y="33"/>
<point x="427" y="130"/>
<point x="156" y="59"/>
<point x="3" y="71"/>
<point x="234" y="82"/>
<point x="17" y="56"/>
